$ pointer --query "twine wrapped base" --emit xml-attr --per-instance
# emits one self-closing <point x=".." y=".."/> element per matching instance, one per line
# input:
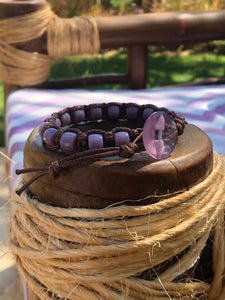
<point x="100" y="254"/>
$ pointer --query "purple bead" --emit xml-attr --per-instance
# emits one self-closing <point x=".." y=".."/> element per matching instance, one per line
<point x="95" y="113"/>
<point x="41" y="128"/>
<point x="132" y="113"/>
<point x="160" y="135"/>
<point x="65" y="119"/>
<point x="78" y="116"/>
<point x="113" y="112"/>
<point x="147" y="112"/>
<point x="67" y="141"/>
<point x="49" y="136"/>
<point x="57" y="122"/>
<point x="95" y="141"/>
<point x="121" y="138"/>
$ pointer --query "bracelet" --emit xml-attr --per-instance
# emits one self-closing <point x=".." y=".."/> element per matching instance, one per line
<point x="160" y="130"/>
<point x="158" y="135"/>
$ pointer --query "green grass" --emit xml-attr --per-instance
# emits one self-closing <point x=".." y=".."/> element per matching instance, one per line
<point x="167" y="70"/>
<point x="163" y="70"/>
<point x="86" y="65"/>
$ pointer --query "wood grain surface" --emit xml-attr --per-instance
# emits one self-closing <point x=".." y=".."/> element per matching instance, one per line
<point x="99" y="183"/>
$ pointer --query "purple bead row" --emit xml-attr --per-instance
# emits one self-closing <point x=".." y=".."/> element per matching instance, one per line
<point x="67" y="140"/>
<point x="79" y="114"/>
<point x="111" y="111"/>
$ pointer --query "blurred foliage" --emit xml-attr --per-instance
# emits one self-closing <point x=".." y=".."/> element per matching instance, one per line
<point x="69" y="8"/>
<point x="182" y="5"/>
<point x="186" y="5"/>
<point x="121" y="5"/>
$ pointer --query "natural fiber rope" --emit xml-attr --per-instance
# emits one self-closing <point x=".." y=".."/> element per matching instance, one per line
<point x="65" y="37"/>
<point x="82" y="253"/>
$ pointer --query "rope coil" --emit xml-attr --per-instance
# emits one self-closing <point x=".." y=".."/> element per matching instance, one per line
<point x="83" y="253"/>
<point x="65" y="37"/>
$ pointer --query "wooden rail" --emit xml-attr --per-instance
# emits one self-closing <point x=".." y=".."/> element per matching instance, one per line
<point x="135" y="32"/>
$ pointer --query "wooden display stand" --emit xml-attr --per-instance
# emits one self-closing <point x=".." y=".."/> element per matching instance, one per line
<point x="107" y="181"/>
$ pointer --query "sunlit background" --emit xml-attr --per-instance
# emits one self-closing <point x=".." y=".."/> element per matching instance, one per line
<point x="166" y="66"/>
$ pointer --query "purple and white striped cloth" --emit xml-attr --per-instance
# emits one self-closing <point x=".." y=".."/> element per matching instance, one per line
<point x="202" y="106"/>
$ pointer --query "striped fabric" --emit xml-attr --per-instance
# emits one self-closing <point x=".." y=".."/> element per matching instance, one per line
<point x="202" y="106"/>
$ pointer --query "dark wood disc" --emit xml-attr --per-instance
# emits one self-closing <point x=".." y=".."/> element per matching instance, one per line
<point x="97" y="184"/>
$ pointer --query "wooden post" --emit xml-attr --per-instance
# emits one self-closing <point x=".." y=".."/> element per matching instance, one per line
<point x="10" y="9"/>
<point x="137" y="66"/>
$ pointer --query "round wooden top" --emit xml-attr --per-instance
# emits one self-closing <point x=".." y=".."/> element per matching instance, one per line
<point x="97" y="184"/>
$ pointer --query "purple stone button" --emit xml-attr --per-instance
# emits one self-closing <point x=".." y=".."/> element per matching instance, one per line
<point x="41" y="127"/>
<point x="49" y="136"/>
<point x="132" y="112"/>
<point x="65" y="119"/>
<point x="67" y="141"/>
<point x="95" y="141"/>
<point x="121" y="138"/>
<point x="78" y="116"/>
<point x="160" y="135"/>
<point x="113" y="112"/>
<point x="147" y="112"/>
<point x="95" y="113"/>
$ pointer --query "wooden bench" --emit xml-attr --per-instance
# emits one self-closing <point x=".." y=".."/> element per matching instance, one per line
<point x="136" y="33"/>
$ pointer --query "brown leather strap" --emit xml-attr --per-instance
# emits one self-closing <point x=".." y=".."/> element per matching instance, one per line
<point x="125" y="151"/>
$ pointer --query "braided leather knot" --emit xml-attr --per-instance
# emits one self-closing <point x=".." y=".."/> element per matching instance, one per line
<point x="127" y="151"/>
<point x="54" y="168"/>
<point x="180" y="122"/>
